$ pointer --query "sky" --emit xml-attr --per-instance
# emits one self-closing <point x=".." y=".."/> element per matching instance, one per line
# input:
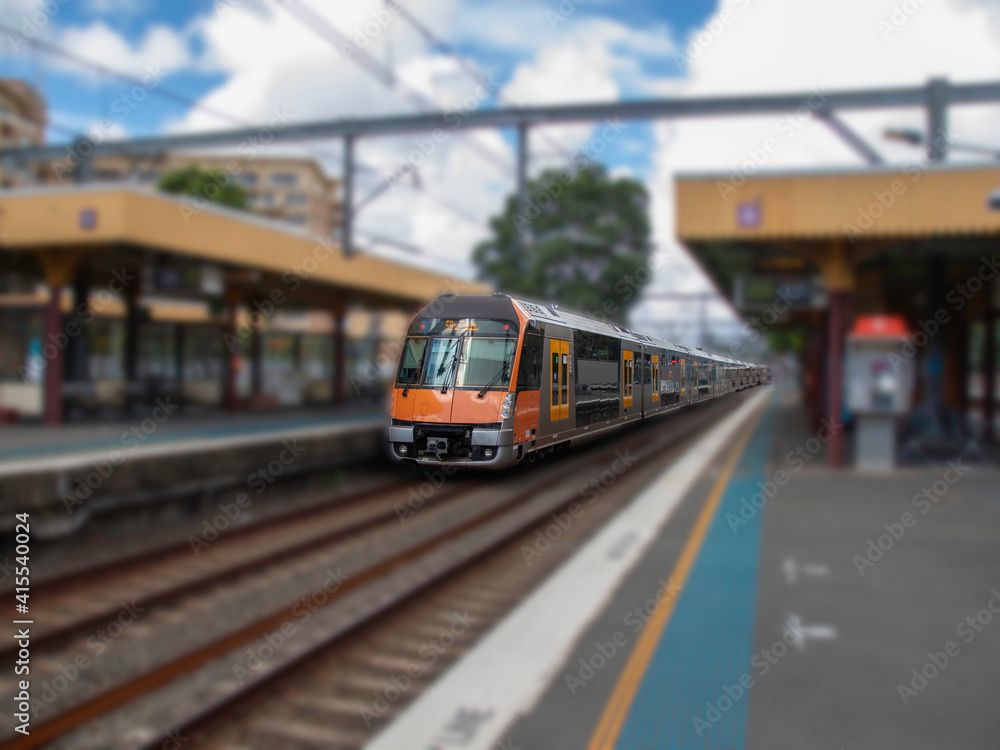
<point x="217" y="64"/>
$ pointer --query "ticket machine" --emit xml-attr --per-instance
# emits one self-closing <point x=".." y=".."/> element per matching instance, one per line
<point x="880" y="380"/>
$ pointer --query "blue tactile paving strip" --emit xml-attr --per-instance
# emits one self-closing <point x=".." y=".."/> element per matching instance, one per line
<point x="691" y="695"/>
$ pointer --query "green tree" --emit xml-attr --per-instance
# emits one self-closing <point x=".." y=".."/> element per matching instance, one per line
<point x="584" y="242"/>
<point x="209" y="184"/>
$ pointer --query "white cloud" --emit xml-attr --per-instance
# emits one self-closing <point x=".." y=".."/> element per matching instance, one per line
<point x="160" y="49"/>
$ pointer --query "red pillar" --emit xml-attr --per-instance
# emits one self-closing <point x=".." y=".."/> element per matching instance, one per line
<point x="53" y="364"/>
<point x="339" y="366"/>
<point x="232" y="359"/>
<point x="989" y="367"/>
<point x="837" y="325"/>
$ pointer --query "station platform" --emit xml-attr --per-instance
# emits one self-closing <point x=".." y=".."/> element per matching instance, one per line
<point x="765" y="602"/>
<point x="62" y="474"/>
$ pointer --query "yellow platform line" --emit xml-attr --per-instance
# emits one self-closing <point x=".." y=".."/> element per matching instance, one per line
<point x="617" y="709"/>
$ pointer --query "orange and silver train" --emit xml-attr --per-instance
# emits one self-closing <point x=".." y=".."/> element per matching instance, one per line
<point x="486" y="381"/>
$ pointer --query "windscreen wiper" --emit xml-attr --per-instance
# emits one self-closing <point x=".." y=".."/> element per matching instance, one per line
<point x="451" y="366"/>
<point x="501" y="373"/>
<point x="416" y="373"/>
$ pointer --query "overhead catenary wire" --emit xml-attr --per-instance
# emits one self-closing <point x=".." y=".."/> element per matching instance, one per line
<point x="470" y="69"/>
<point x="320" y="26"/>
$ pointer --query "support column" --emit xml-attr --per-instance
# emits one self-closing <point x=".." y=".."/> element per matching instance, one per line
<point x="937" y="120"/>
<point x="838" y="273"/>
<point x="59" y="269"/>
<point x="53" y="364"/>
<point x="232" y="354"/>
<point x="339" y="365"/>
<point x="78" y="347"/>
<point x="521" y="223"/>
<point x="936" y="348"/>
<point x="179" y="336"/>
<point x="83" y="172"/>
<point x="347" y="210"/>
<point x="989" y="366"/>
<point x="131" y="353"/>
<point x="234" y="294"/>
<point x="839" y="302"/>
<point x="257" y="361"/>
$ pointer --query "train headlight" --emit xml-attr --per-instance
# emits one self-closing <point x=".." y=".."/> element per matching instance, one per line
<point x="508" y="406"/>
<point x="403" y="450"/>
<point x="487" y="453"/>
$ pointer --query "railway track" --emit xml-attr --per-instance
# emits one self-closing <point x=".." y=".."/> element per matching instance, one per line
<point x="124" y="619"/>
<point x="369" y="576"/>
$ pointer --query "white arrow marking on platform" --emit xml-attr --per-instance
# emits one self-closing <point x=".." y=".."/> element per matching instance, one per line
<point x="792" y="569"/>
<point x="802" y="633"/>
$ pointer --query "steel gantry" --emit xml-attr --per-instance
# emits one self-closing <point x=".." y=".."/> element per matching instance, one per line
<point x="935" y="97"/>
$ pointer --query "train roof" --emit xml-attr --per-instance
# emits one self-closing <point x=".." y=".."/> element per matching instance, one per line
<point x="498" y="304"/>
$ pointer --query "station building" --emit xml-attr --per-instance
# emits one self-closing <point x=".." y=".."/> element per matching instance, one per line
<point x="115" y="296"/>
<point x="807" y="254"/>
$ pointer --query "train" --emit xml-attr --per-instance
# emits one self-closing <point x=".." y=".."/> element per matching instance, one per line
<point x="487" y="381"/>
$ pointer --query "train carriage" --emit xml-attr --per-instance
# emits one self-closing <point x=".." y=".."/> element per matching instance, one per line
<point x="485" y="381"/>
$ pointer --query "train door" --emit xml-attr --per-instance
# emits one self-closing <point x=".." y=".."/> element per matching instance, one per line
<point x="559" y="357"/>
<point x="654" y="366"/>
<point x="628" y="375"/>
<point x="530" y="367"/>
<point x="638" y="379"/>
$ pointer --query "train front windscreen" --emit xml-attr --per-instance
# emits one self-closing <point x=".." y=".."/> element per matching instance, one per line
<point x="464" y="354"/>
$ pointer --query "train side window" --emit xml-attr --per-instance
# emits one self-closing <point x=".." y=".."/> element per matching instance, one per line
<point x="529" y="373"/>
